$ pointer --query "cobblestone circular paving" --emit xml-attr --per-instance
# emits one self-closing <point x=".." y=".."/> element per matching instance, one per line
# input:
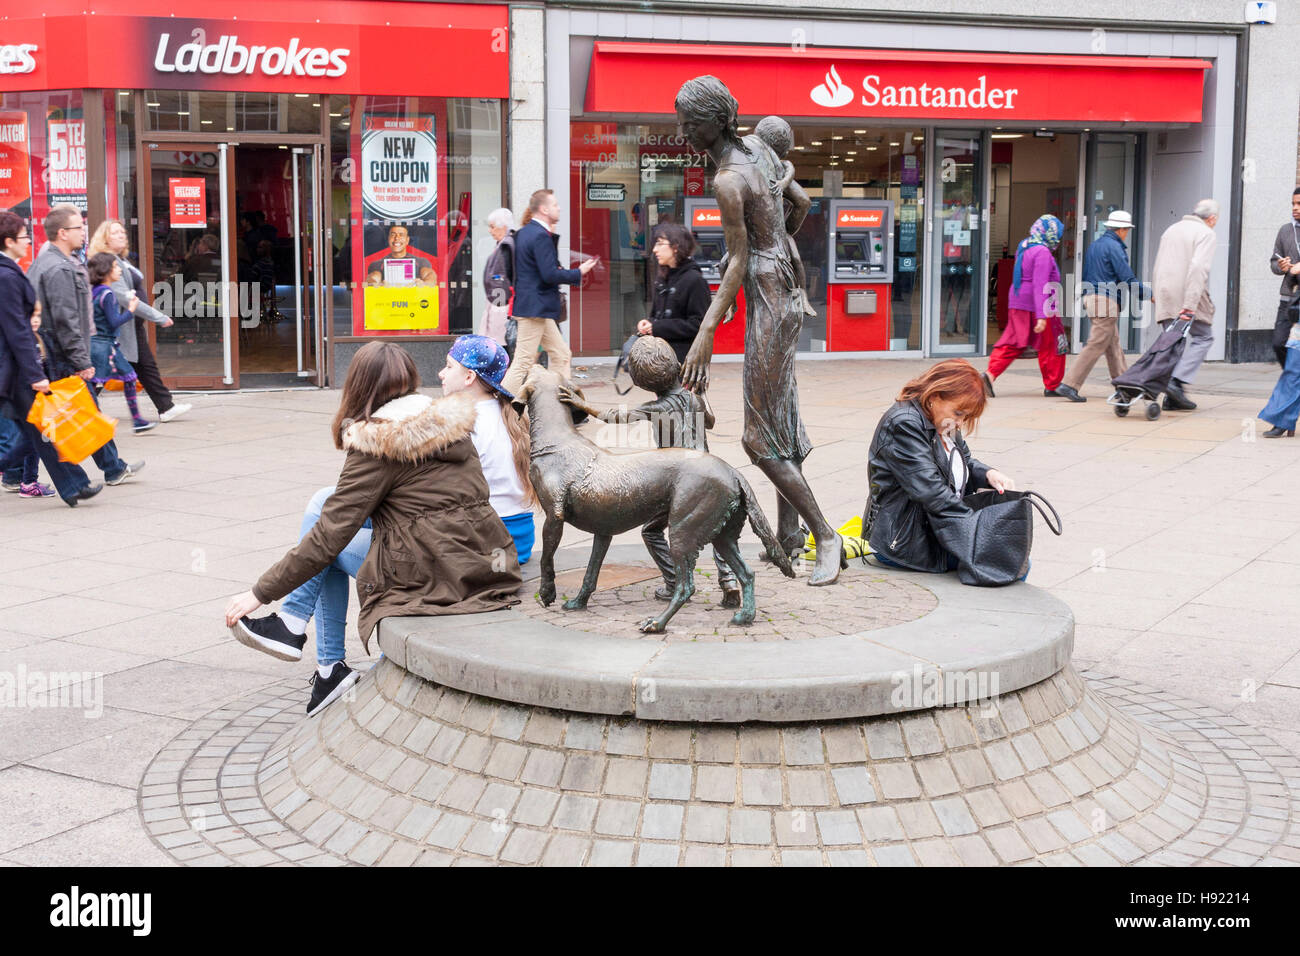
<point x="865" y="599"/>
<point x="1069" y="771"/>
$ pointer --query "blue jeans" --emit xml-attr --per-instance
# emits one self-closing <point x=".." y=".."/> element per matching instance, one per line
<point x="952" y="564"/>
<point x="325" y="596"/>
<point x="18" y="459"/>
<point x="68" y="478"/>
<point x="1284" y="404"/>
<point x="106" y="459"/>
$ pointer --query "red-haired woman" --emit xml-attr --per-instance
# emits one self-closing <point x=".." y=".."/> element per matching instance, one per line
<point x="919" y="468"/>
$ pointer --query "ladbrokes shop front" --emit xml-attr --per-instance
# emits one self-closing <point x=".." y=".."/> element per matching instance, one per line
<point x="296" y="177"/>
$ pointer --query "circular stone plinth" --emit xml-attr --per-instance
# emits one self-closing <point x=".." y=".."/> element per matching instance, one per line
<point x="885" y="642"/>
<point x="863" y="600"/>
<point x="1066" y="772"/>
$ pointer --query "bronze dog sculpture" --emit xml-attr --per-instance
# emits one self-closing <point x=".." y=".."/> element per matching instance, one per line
<point x="704" y="499"/>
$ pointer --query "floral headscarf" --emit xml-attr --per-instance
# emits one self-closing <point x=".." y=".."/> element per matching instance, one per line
<point x="1046" y="231"/>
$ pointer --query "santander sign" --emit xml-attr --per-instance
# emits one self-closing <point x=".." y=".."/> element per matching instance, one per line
<point x="833" y="92"/>
<point x="228" y="55"/>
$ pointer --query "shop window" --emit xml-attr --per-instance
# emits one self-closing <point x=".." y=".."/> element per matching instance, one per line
<point x="119" y="152"/>
<point x="412" y="182"/>
<point x="42" y="156"/>
<point x="625" y="178"/>
<point x="180" y="111"/>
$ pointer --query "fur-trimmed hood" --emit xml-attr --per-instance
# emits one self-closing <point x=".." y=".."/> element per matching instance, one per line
<point x="413" y="427"/>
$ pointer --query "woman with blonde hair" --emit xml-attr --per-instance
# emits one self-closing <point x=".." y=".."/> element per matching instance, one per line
<point x="111" y="237"/>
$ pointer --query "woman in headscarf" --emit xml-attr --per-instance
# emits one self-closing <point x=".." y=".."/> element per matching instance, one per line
<point x="1033" y="308"/>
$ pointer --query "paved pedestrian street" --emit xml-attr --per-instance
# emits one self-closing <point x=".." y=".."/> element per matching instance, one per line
<point x="1179" y="561"/>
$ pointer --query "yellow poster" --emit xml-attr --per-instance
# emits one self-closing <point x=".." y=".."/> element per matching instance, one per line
<point x="413" y="308"/>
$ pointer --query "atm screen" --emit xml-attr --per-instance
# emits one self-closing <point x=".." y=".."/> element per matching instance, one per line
<point x="851" y="250"/>
<point x="710" y="249"/>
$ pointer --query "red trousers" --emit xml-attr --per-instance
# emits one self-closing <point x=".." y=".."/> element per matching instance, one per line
<point x="1020" y="329"/>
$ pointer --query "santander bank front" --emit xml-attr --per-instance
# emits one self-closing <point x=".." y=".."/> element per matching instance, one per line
<point x="928" y="148"/>
<point x="295" y="178"/>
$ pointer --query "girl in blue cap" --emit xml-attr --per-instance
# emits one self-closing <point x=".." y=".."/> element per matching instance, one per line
<point x="476" y="364"/>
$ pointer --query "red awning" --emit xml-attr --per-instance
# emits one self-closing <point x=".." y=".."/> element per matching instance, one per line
<point x="325" y="46"/>
<point x="643" y="78"/>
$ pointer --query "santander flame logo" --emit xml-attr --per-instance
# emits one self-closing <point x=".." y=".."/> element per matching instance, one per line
<point x="832" y="92"/>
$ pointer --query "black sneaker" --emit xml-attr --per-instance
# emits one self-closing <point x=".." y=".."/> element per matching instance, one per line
<point x="324" y="690"/>
<point x="270" y="636"/>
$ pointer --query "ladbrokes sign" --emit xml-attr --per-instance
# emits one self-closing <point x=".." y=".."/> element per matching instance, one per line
<point x="228" y="55"/>
<point x="377" y="47"/>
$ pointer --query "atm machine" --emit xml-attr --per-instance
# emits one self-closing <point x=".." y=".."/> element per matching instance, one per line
<point x="705" y="222"/>
<point x="859" y="275"/>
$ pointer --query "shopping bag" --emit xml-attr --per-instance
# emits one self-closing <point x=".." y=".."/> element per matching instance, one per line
<point x="70" y="421"/>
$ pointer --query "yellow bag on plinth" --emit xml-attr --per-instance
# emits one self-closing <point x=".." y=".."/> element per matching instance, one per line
<point x="855" y="546"/>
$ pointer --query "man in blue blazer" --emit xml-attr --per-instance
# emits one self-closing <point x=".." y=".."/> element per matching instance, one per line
<point x="21" y="374"/>
<point x="538" y="277"/>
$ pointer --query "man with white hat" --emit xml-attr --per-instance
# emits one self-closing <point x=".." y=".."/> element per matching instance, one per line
<point x="1108" y="281"/>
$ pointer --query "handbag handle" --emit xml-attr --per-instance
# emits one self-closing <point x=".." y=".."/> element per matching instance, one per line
<point x="1059" y="527"/>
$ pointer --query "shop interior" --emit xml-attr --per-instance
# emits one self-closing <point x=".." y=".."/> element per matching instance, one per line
<point x="1033" y="174"/>
<point x="654" y="173"/>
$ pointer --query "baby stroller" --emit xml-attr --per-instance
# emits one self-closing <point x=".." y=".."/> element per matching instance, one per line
<point x="1148" y="378"/>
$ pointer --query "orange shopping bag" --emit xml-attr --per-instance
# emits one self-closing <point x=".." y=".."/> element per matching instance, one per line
<point x="70" y="421"/>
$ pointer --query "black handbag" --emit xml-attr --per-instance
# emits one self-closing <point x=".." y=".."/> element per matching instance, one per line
<point x="622" y="362"/>
<point x="1003" y="535"/>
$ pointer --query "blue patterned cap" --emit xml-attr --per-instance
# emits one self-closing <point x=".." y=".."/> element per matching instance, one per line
<point x="485" y="358"/>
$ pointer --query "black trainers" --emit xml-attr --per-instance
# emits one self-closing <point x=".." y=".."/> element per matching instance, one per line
<point x="325" y="690"/>
<point x="270" y="636"/>
<point x="130" y="471"/>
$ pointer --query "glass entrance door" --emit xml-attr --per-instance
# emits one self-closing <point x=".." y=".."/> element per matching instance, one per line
<point x="187" y="261"/>
<point x="957" y="221"/>
<point x="1112" y="180"/>
<point x="309" y="300"/>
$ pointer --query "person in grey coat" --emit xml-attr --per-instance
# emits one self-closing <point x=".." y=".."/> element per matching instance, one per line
<point x="1180" y="282"/>
<point x="63" y="289"/>
<point x="111" y="237"/>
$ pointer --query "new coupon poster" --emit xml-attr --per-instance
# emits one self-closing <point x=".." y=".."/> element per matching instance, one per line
<point x="399" y="212"/>
<point x="16" y="169"/>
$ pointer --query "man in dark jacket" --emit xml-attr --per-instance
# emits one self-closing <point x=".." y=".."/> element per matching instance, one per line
<point x="1286" y="263"/>
<point x="1108" y="278"/>
<point x="64" y="291"/>
<point x="538" y="278"/>
<point x="21" y="374"/>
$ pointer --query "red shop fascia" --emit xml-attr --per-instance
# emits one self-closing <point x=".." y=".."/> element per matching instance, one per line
<point x="350" y="47"/>
<point x="967" y="89"/>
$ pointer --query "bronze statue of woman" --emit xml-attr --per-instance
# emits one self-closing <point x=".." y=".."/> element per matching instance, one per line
<point x="748" y="187"/>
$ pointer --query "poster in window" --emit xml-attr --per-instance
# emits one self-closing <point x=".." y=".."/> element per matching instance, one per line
<point x="187" y="203"/>
<point x="65" y="159"/>
<point x="16" y="169"/>
<point x="399" y="211"/>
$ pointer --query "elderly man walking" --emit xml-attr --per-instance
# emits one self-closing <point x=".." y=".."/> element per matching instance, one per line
<point x="63" y="289"/>
<point x="1181" y="291"/>
<point x="1108" y="280"/>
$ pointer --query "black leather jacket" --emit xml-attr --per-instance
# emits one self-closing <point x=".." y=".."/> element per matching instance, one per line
<point x="913" y="516"/>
